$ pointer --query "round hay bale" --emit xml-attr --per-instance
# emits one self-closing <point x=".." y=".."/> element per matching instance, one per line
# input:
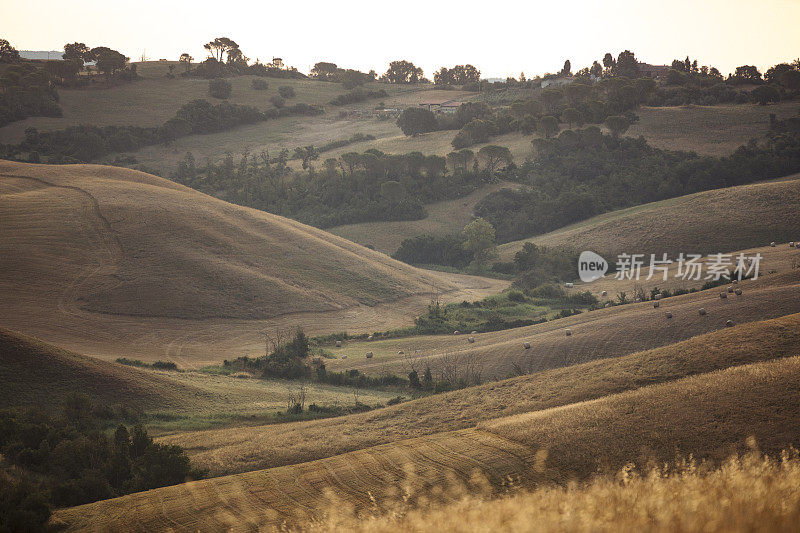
<point x="456" y="332"/>
<point x="730" y="289"/>
<point x="568" y="332"/>
<point x="729" y="322"/>
<point x="791" y="244"/>
<point x="702" y="311"/>
<point x="338" y="344"/>
<point x="369" y="355"/>
<point x="471" y="340"/>
<point x="527" y="345"/>
<point x="738" y="292"/>
<point x="604" y="293"/>
<point x="370" y="338"/>
<point x="569" y="285"/>
<point x="473" y="332"/>
<point x="344" y="356"/>
<point x="772" y="244"/>
<point x="658" y="296"/>
<point x="723" y="295"/>
<point x="401" y="352"/>
<point x="656" y="304"/>
<point x="668" y="314"/>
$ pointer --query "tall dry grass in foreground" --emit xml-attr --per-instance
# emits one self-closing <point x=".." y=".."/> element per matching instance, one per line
<point x="748" y="493"/>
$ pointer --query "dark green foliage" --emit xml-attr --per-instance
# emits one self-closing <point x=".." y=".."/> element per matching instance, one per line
<point x="347" y="194"/>
<point x="416" y="120"/>
<point x="219" y="88"/>
<point x="433" y="250"/>
<point x="259" y="84"/>
<point x="75" y="462"/>
<point x="277" y="101"/>
<point x="25" y="91"/>
<point x="588" y="173"/>
<point x="24" y="506"/>
<point x="286" y="92"/>
<point x="358" y="95"/>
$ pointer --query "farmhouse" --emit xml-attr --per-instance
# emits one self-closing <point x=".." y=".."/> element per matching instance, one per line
<point x="277" y="62"/>
<point x="653" y="71"/>
<point x="441" y="105"/>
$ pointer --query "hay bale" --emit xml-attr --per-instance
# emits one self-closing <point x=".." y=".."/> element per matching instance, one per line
<point x="791" y="244"/>
<point x="569" y="285"/>
<point x="668" y="314"/>
<point x="568" y="332"/>
<point x="772" y="244"/>
<point x="456" y="332"/>
<point x="370" y="338"/>
<point x="604" y="293"/>
<point x="338" y="344"/>
<point x="527" y="345"/>
<point x="656" y="304"/>
<point x="658" y="296"/>
<point x="729" y="322"/>
<point x="401" y="352"/>
<point x="738" y="292"/>
<point x="344" y="356"/>
<point x="473" y="332"/>
<point x="702" y="311"/>
<point x="723" y="295"/>
<point x="369" y="355"/>
<point x="471" y="340"/>
<point x="730" y="289"/>
<point x="608" y="304"/>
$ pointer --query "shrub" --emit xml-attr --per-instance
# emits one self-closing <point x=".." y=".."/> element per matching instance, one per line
<point x="219" y="88"/>
<point x="286" y="92"/>
<point x="259" y="84"/>
<point x="277" y="101"/>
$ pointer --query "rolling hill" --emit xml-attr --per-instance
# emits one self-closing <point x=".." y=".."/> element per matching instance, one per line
<point x="708" y="415"/>
<point x="105" y="260"/>
<point x="238" y="450"/>
<point x="720" y="220"/>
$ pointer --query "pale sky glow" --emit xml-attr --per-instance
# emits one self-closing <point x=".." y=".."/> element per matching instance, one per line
<point x="499" y="37"/>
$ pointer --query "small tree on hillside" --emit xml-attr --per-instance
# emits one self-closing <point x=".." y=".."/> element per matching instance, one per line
<point x="220" y="46"/>
<point x="572" y="116"/>
<point x="617" y="125"/>
<point x="493" y="155"/>
<point x="416" y="120"/>
<point x="286" y="92"/>
<point x="186" y="59"/>
<point x="548" y="126"/>
<point x="219" y="88"/>
<point x="479" y="239"/>
<point x="764" y="94"/>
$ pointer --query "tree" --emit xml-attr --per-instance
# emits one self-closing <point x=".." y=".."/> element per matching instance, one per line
<point x="548" y="125"/>
<point x="763" y="94"/>
<point x="8" y="54"/>
<point x="572" y="116"/>
<point x="417" y="120"/>
<point x="286" y="91"/>
<point x="64" y="69"/>
<point x="627" y="65"/>
<point x="567" y="70"/>
<point x="461" y="159"/>
<point x="219" y="47"/>
<point x="403" y="71"/>
<point x="306" y="154"/>
<point x="492" y="155"/>
<point x="617" y="125"/>
<point x="324" y="71"/>
<point x="186" y="59"/>
<point x="479" y="239"/>
<point x="608" y="63"/>
<point x="108" y="61"/>
<point x="747" y="74"/>
<point x="596" y="70"/>
<point x="277" y="101"/>
<point x="791" y="80"/>
<point x="773" y="74"/>
<point x="76" y="52"/>
<point x="219" y="88"/>
<point x="393" y="191"/>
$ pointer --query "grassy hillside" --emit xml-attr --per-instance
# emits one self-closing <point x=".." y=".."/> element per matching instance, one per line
<point x="131" y="253"/>
<point x="602" y="333"/>
<point x="225" y="451"/>
<point x="720" y="220"/>
<point x="444" y="218"/>
<point x="708" y="415"/>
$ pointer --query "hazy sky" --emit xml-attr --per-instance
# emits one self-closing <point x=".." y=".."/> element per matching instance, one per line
<point x="500" y="37"/>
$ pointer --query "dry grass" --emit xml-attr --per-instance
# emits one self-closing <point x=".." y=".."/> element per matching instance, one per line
<point x="708" y="416"/>
<point x="35" y="374"/>
<point x="226" y="451"/>
<point x="751" y="493"/>
<point x="708" y="130"/>
<point x="721" y="220"/>
<point x="447" y="217"/>
<point x="114" y="262"/>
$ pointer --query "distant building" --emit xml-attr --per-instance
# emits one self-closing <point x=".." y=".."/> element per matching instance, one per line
<point x="277" y="62"/>
<point x="41" y="55"/>
<point x="559" y="81"/>
<point x="441" y="105"/>
<point x="647" y="70"/>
